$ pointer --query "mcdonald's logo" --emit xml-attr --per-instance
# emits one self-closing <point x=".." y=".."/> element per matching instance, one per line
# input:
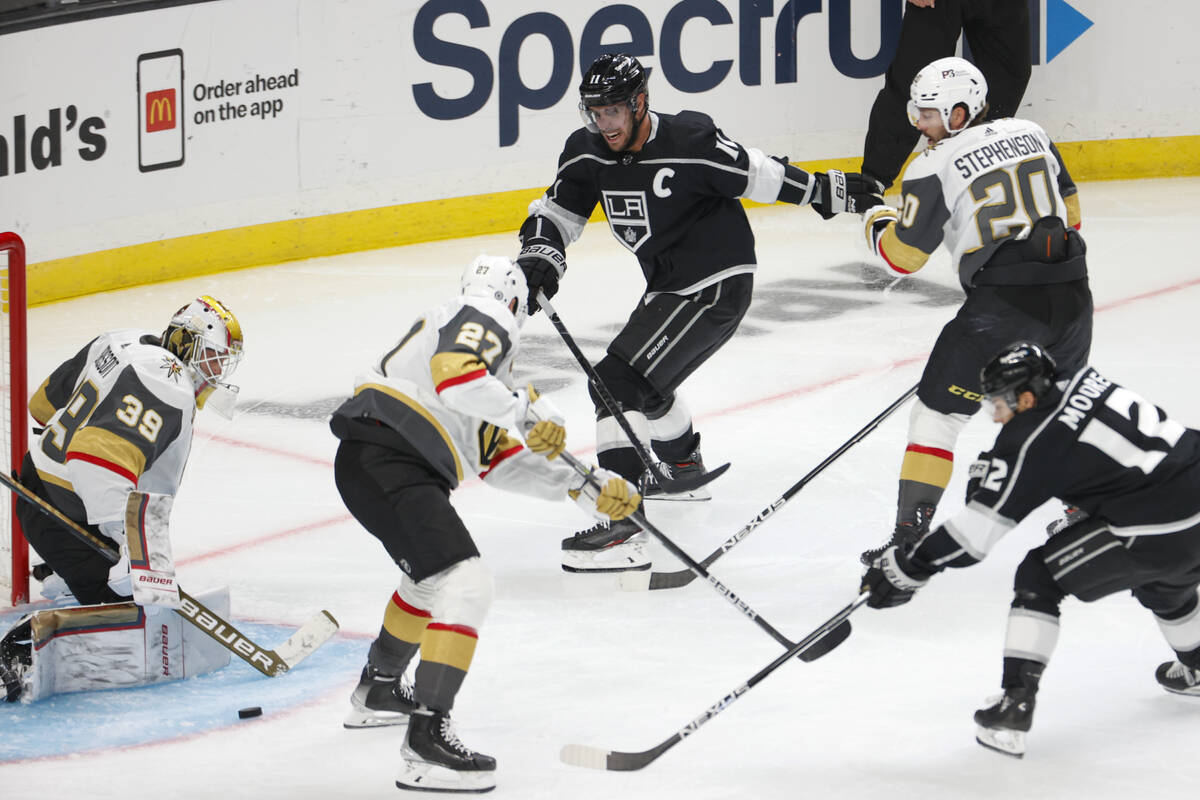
<point x="160" y="110"/>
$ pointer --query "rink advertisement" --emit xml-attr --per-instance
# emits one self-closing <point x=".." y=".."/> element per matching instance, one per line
<point x="165" y="143"/>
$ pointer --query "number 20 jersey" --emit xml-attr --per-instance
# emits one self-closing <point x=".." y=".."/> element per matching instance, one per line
<point x="974" y="191"/>
<point x="117" y="416"/>
<point x="1098" y="446"/>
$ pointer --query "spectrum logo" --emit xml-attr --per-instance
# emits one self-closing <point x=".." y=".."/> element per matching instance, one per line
<point x="160" y="110"/>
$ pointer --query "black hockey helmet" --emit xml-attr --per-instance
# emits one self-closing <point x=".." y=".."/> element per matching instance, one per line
<point x="613" y="78"/>
<point x="1021" y="367"/>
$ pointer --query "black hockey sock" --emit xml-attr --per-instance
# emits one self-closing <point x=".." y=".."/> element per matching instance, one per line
<point x="679" y="449"/>
<point x="1021" y="673"/>
<point x="624" y="461"/>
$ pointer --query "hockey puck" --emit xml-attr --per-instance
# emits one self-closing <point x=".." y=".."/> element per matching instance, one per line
<point x="247" y="713"/>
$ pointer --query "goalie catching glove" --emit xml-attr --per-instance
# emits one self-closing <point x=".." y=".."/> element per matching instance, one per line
<point x="845" y="192"/>
<point x="543" y="425"/>
<point x="605" y="495"/>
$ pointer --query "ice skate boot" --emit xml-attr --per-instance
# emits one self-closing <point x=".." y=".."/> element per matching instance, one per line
<point x="436" y="760"/>
<point x="378" y="700"/>
<point x="1177" y="677"/>
<point x="606" y="547"/>
<point x="16" y="656"/>
<point x="1003" y="724"/>
<point x="906" y="534"/>
<point x="1071" y="515"/>
<point x="691" y="466"/>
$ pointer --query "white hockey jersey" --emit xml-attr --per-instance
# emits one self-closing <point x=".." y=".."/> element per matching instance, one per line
<point x="447" y="388"/>
<point x="117" y="416"/>
<point x="975" y="191"/>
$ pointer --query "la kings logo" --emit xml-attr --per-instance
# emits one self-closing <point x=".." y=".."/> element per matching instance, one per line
<point x="629" y="217"/>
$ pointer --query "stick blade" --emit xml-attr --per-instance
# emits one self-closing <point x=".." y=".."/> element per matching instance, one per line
<point x="671" y="580"/>
<point x="681" y="485"/>
<point x="826" y="643"/>
<point x="305" y="641"/>
<point x="582" y="755"/>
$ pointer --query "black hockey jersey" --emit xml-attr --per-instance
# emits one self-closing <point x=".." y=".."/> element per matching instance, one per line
<point x="674" y="204"/>
<point x="1098" y="446"/>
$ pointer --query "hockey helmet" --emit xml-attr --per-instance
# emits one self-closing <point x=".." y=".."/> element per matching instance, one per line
<point x="612" y="78"/>
<point x="944" y="84"/>
<point x="1021" y="367"/>
<point x="207" y="337"/>
<point x="499" y="278"/>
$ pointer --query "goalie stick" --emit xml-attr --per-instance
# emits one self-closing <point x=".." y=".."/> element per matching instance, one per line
<point x="680" y="578"/>
<point x="581" y="755"/>
<point x="299" y="646"/>
<point x="811" y="653"/>
<point x="669" y="485"/>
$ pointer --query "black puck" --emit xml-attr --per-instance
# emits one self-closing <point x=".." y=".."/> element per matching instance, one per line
<point x="247" y="713"/>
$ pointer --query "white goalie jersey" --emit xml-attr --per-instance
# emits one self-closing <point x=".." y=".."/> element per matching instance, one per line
<point x="117" y="416"/>
<point x="447" y="389"/>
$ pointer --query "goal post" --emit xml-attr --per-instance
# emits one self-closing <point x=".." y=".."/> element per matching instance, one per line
<point x="14" y="552"/>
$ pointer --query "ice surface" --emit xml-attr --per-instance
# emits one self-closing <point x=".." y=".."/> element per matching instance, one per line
<point x="828" y="343"/>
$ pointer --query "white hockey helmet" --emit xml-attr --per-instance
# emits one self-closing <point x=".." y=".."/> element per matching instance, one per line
<point x="207" y="337"/>
<point x="944" y="84"/>
<point x="501" y="279"/>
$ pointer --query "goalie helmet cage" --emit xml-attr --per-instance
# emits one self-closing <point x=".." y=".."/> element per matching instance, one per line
<point x="14" y="552"/>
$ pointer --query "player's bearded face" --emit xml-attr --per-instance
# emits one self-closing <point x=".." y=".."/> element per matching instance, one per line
<point x="615" y="123"/>
<point x="929" y="122"/>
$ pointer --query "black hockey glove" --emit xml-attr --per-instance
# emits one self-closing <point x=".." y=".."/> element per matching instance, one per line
<point x="845" y="192"/>
<point x="543" y="263"/>
<point x="893" y="579"/>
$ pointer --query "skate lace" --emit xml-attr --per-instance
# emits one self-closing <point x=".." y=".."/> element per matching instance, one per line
<point x="599" y="527"/>
<point x="450" y="737"/>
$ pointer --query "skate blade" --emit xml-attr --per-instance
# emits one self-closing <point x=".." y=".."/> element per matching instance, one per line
<point x="626" y="557"/>
<point x="693" y="496"/>
<point x="422" y="776"/>
<point x="356" y="720"/>
<point x="1002" y="740"/>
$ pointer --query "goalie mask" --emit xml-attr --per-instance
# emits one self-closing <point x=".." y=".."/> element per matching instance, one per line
<point x="944" y="84"/>
<point x="207" y="337"/>
<point x="499" y="278"/>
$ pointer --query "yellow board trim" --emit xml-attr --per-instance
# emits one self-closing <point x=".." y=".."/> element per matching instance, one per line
<point x="456" y="217"/>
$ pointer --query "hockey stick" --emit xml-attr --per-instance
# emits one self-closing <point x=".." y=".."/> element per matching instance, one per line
<point x="669" y="485"/>
<point x="675" y="580"/>
<point x="581" y="755"/>
<point x="835" y="637"/>
<point x="299" y="646"/>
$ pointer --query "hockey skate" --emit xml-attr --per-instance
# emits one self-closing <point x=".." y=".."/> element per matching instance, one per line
<point x="436" y="760"/>
<point x="1003" y="724"/>
<point x="692" y="466"/>
<point x="1174" y="676"/>
<point x="15" y="659"/>
<point x="606" y="547"/>
<point x="905" y="533"/>
<point x="379" y="700"/>
<point x="1071" y="515"/>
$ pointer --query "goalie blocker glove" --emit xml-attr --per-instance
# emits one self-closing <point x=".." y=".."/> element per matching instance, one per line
<point x="845" y="192"/>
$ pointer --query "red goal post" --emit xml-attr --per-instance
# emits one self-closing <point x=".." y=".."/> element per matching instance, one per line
<point x="14" y="552"/>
